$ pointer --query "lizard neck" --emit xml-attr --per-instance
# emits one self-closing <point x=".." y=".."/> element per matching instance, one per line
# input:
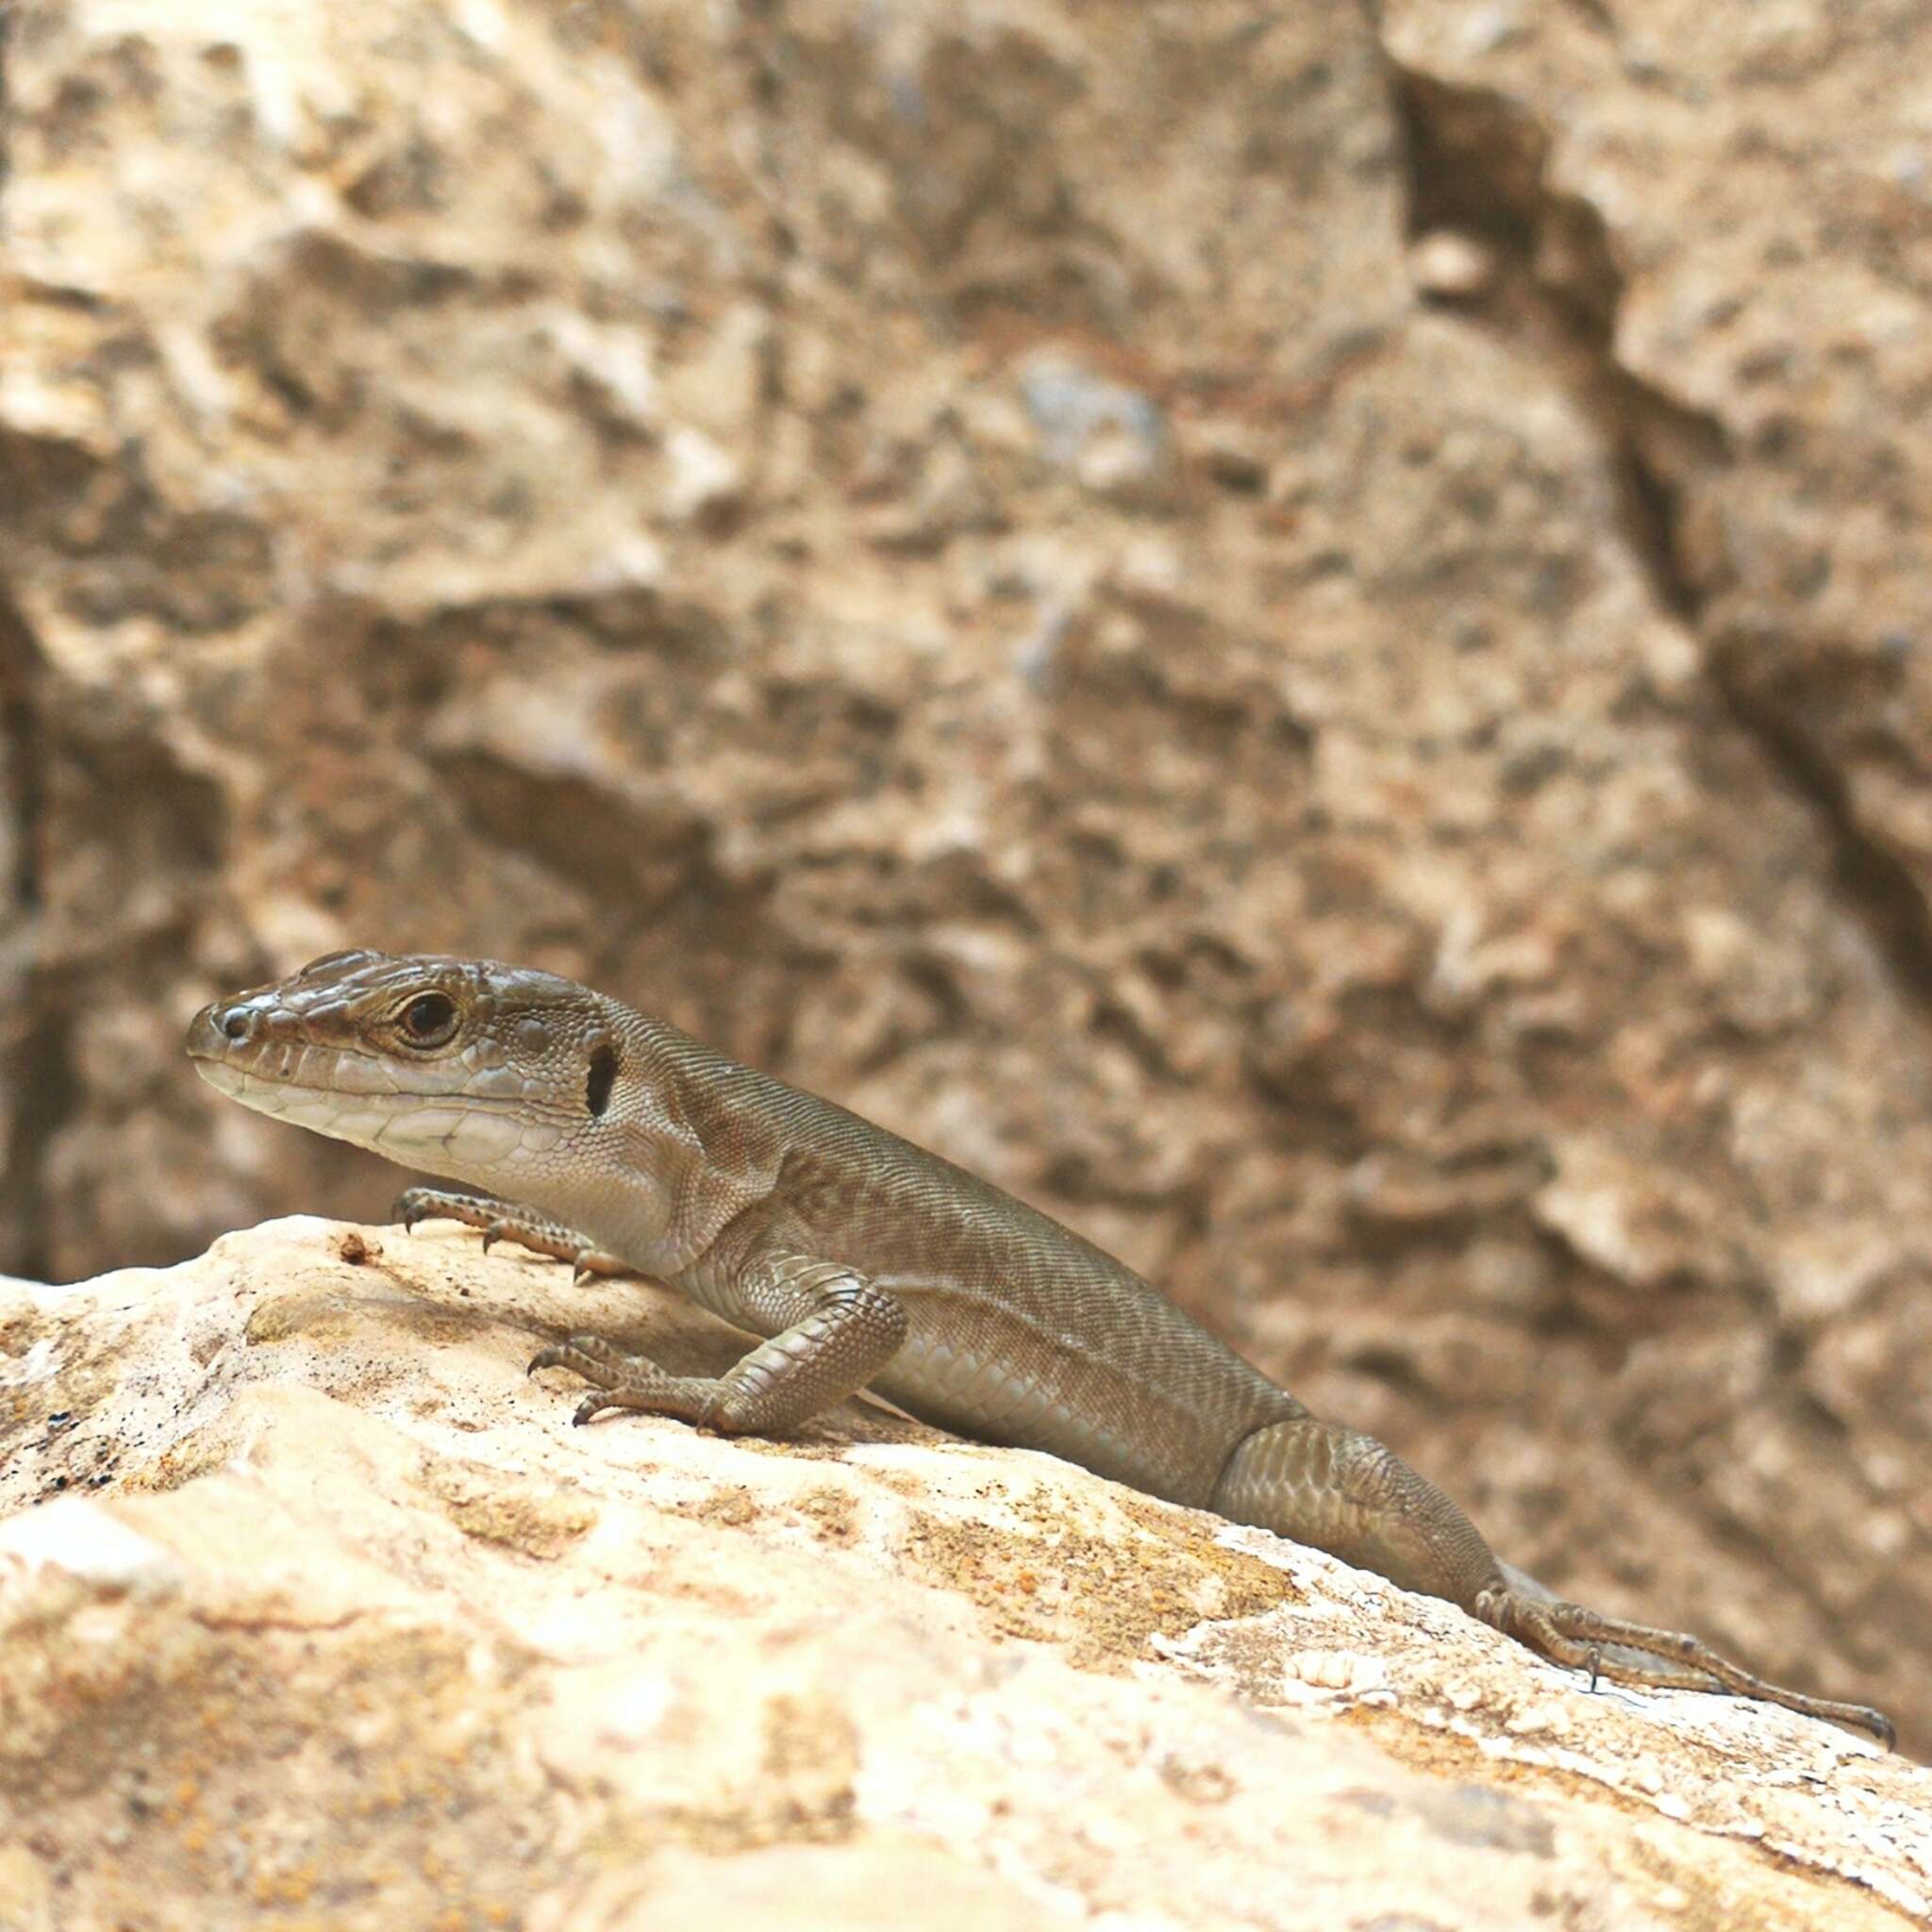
<point x="659" y="1176"/>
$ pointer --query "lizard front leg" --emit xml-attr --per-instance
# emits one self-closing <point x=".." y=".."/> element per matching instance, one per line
<point x="837" y="1329"/>
<point x="503" y="1220"/>
<point x="1345" y="1492"/>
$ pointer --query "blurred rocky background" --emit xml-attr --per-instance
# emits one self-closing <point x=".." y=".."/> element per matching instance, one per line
<point x="1301" y="633"/>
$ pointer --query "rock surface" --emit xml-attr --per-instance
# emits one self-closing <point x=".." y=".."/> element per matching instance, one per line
<point x="1298" y="634"/>
<point x="314" y="1610"/>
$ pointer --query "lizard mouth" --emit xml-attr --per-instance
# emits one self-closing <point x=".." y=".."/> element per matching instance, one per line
<point x="258" y="1053"/>
<point x="410" y="1126"/>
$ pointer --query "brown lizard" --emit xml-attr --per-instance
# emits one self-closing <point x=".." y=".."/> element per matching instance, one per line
<point x="613" y="1141"/>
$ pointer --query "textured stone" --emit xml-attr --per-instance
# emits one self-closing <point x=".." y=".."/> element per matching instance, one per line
<point x="1367" y="806"/>
<point x="1763" y="176"/>
<point x="314" y="1610"/>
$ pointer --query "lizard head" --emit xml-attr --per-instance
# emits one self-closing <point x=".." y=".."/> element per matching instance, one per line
<point x="465" y="1068"/>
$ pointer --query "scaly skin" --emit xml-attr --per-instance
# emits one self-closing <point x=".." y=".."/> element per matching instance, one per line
<point x="613" y="1140"/>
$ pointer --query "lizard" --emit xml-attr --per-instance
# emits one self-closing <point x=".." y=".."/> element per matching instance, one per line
<point x="612" y="1139"/>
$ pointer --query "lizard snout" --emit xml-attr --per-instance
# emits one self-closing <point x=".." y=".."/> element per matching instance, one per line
<point x="225" y="1026"/>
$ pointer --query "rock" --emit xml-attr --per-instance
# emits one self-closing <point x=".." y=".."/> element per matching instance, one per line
<point x="1768" y="184"/>
<point x="1451" y="265"/>
<point x="946" y="552"/>
<point x="312" y="1604"/>
<point x="1110" y="437"/>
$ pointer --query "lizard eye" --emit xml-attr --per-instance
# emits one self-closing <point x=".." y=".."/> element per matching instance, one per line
<point x="429" y="1020"/>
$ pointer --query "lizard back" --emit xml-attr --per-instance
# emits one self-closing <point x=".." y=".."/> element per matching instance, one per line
<point x="1022" y="1332"/>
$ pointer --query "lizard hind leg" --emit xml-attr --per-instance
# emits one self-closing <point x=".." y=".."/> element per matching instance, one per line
<point x="1566" y="1633"/>
<point x="1347" y="1493"/>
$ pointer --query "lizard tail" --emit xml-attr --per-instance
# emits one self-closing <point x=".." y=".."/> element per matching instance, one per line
<point x="1345" y="1492"/>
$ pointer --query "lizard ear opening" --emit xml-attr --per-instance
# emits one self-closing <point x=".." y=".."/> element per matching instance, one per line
<point x="602" y="1078"/>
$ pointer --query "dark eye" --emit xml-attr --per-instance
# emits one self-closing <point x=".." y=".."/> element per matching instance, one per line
<point x="429" y="1020"/>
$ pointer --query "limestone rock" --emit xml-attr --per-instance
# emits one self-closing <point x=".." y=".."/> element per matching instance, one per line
<point x="980" y="557"/>
<point x="314" y="1610"/>
<point x="1764" y="178"/>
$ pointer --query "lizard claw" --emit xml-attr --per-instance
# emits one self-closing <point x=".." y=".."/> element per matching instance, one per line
<point x="588" y="1356"/>
<point x="628" y="1381"/>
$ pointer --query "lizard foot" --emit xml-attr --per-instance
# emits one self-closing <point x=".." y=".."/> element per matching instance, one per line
<point x="839" y="1328"/>
<point x="1566" y="1633"/>
<point x="628" y="1381"/>
<point x="503" y="1220"/>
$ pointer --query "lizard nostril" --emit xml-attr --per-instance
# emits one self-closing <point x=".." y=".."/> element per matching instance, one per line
<point x="238" y="1023"/>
